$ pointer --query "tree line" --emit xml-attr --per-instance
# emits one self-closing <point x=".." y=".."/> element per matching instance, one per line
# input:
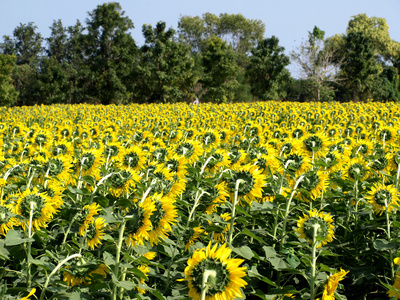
<point x="221" y="59"/>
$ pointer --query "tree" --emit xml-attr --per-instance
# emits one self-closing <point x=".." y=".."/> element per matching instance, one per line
<point x="365" y="51"/>
<point x="26" y="44"/>
<point x="111" y="51"/>
<point x="360" y="64"/>
<point x="58" y="42"/>
<point x="219" y="71"/>
<point x="8" y="95"/>
<point x="240" y="33"/>
<point x="165" y="72"/>
<point x="317" y="64"/>
<point x="266" y="71"/>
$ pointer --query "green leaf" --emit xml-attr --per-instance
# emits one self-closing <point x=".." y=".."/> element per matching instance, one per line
<point x="139" y="273"/>
<point x="253" y="272"/>
<point x="127" y="285"/>
<point x="13" y="238"/>
<point x="157" y="294"/>
<point x="381" y="244"/>
<point x="252" y="235"/>
<point x="3" y="251"/>
<point x="109" y="259"/>
<point x="244" y="251"/>
<point x="243" y="211"/>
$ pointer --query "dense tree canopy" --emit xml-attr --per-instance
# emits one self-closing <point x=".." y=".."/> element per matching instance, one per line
<point x="216" y="58"/>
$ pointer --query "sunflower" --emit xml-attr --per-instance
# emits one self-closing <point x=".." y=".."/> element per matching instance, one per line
<point x="31" y="293"/>
<point x="313" y="184"/>
<point x="192" y="235"/>
<point x="89" y="161"/>
<point x="387" y="134"/>
<point x="133" y="158"/>
<point x="95" y="232"/>
<point x="315" y="144"/>
<point x="297" y="162"/>
<point x="220" y="159"/>
<point x="177" y="164"/>
<point x="266" y="162"/>
<point x="139" y="225"/>
<point x="162" y="218"/>
<point x="59" y="167"/>
<point x="7" y="219"/>
<point x="123" y="181"/>
<point x="86" y="216"/>
<point x="145" y="270"/>
<point x="191" y="150"/>
<point x="287" y="145"/>
<point x="363" y="147"/>
<point x="213" y="196"/>
<point x="62" y="148"/>
<point x="80" y="272"/>
<point x="236" y="158"/>
<point x="396" y="285"/>
<point x="221" y="235"/>
<point x="380" y="164"/>
<point x="355" y="169"/>
<point x="210" y="137"/>
<point x="383" y="198"/>
<point x="332" y="284"/>
<point x="323" y="221"/>
<point x="42" y="206"/>
<point x="252" y="181"/>
<point x="54" y="190"/>
<point x="212" y="269"/>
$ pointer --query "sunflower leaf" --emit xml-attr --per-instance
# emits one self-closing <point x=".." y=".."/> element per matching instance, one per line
<point x="244" y="251"/>
<point x="13" y="238"/>
<point x="382" y="244"/>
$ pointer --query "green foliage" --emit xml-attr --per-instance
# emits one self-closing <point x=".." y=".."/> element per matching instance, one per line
<point x="166" y="69"/>
<point x="219" y="71"/>
<point x="266" y="71"/>
<point x="241" y="33"/>
<point x="360" y="65"/>
<point x="8" y="95"/>
<point x="111" y="53"/>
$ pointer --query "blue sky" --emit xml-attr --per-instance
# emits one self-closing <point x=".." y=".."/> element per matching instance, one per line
<point x="289" y="20"/>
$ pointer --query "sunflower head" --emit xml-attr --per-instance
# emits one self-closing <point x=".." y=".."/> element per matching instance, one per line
<point x="383" y="198"/>
<point x="212" y="270"/>
<point x="316" y="222"/>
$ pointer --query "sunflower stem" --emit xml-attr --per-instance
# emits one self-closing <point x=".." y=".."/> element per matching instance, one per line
<point x="29" y="248"/>
<point x="398" y="175"/>
<point x="55" y="271"/>
<point x="389" y="238"/>
<point x="314" y="261"/>
<point x="196" y="203"/>
<point x="235" y="201"/>
<point x="68" y="229"/>
<point x="288" y="203"/>
<point x="204" y="287"/>
<point x="118" y="257"/>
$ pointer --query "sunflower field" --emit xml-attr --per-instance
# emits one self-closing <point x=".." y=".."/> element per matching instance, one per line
<point x="264" y="200"/>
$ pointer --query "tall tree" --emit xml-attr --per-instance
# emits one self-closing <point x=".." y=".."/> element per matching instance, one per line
<point x="58" y="42"/>
<point x="266" y="71"/>
<point x="240" y="33"/>
<point x="166" y="71"/>
<point x="317" y="64"/>
<point x="219" y="71"/>
<point x="111" y="53"/>
<point x="8" y="94"/>
<point x="360" y="65"/>
<point x="26" y="44"/>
